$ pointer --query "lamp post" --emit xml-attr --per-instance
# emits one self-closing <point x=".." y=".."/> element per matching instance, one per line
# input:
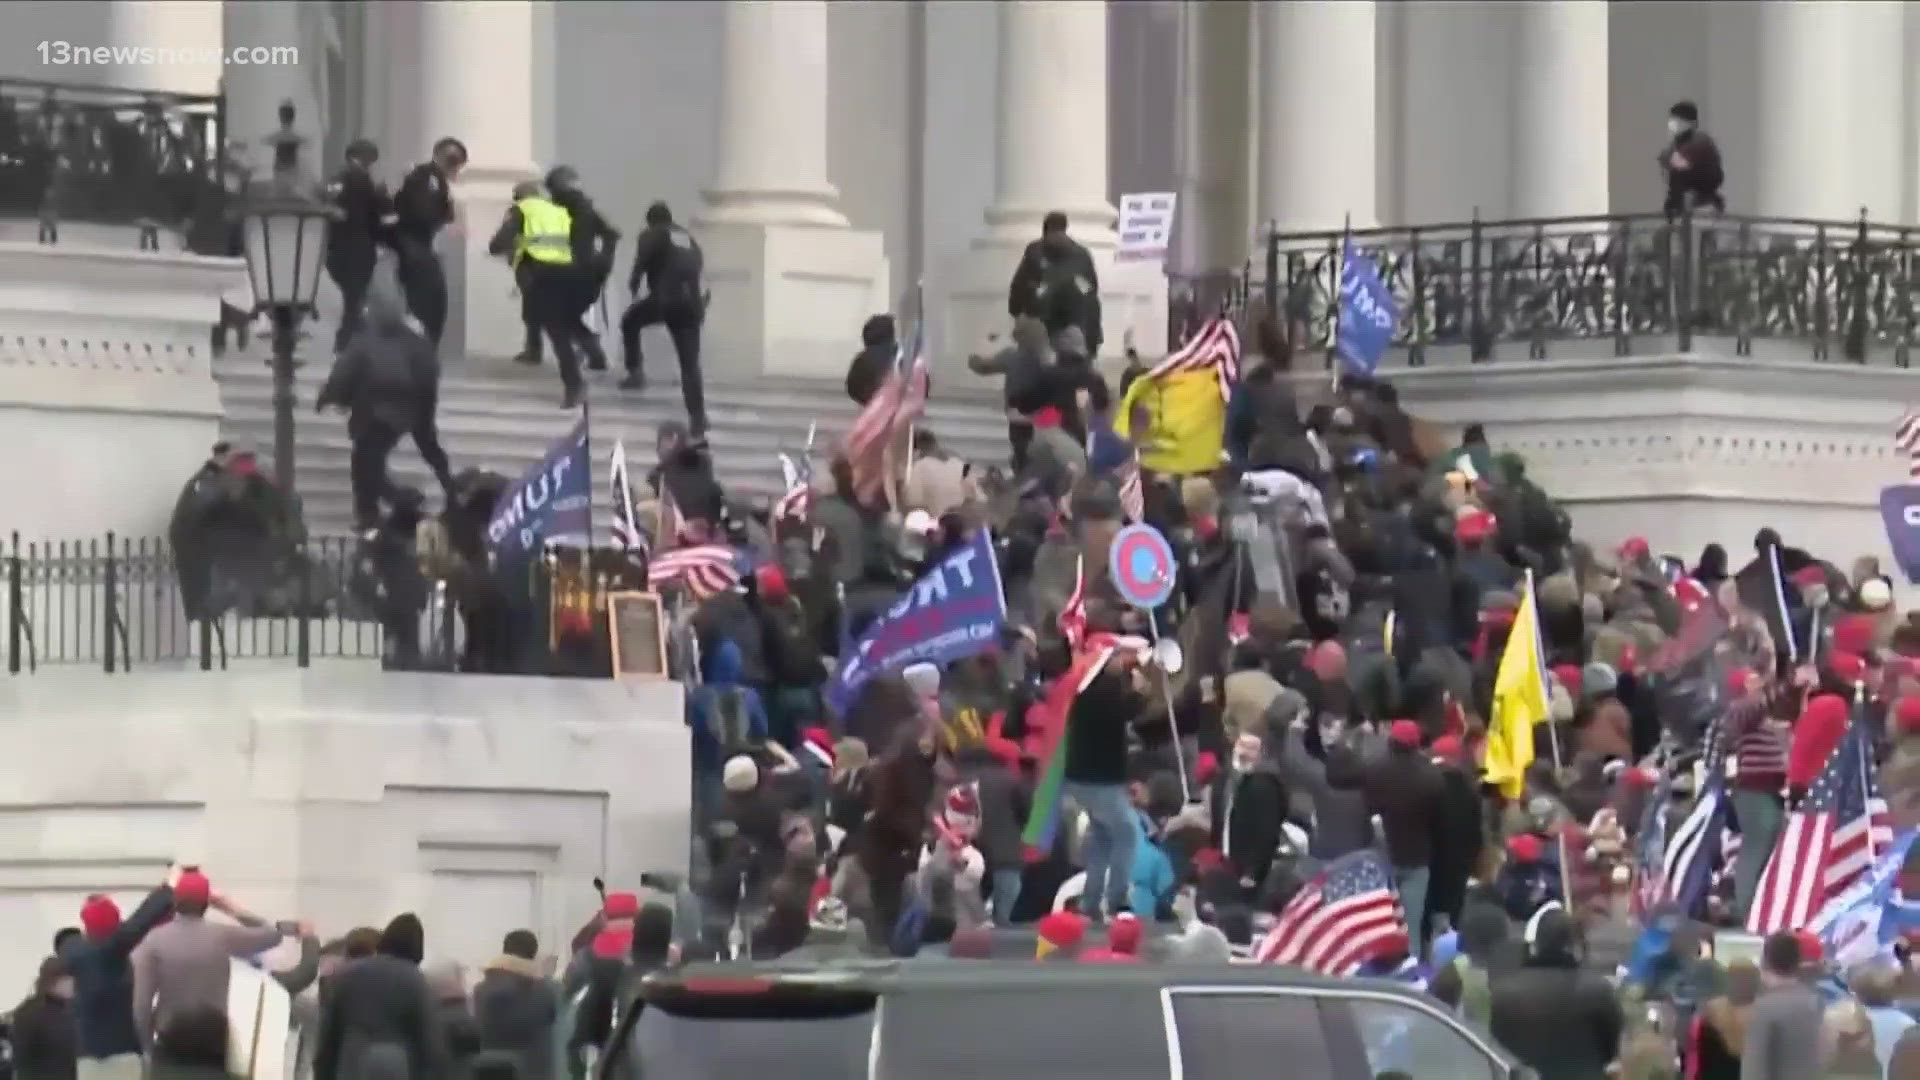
<point x="285" y="223"/>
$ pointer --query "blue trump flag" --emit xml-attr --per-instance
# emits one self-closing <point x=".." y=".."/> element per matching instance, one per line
<point x="955" y="610"/>
<point x="552" y="502"/>
<point x="1863" y="923"/>
<point x="1900" y="513"/>
<point x="1367" y="313"/>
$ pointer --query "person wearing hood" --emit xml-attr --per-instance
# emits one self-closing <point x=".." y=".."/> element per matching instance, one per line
<point x="99" y="962"/>
<point x="1248" y="807"/>
<point x="668" y="260"/>
<point x="879" y="352"/>
<point x="1562" y="1021"/>
<point x="727" y="717"/>
<point x="387" y="380"/>
<point x="516" y="1007"/>
<point x="381" y="1009"/>
<point x="536" y="237"/>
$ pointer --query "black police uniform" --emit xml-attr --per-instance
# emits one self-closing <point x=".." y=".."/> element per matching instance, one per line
<point x="669" y="260"/>
<point x="594" y="241"/>
<point x="353" y="241"/>
<point x="424" y="205"/>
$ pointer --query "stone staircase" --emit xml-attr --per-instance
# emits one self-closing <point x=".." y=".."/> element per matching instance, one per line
<point x="505" y="419"/>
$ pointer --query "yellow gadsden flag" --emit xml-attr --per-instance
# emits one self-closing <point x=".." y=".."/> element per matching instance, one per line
<point x="1176" y="413"/>
<point x="1519" y="702"/>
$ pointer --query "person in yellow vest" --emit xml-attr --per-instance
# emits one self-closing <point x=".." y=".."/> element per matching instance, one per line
<point x="536" y="236"/>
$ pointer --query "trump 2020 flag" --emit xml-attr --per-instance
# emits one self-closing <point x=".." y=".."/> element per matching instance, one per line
<point x="1367" y="313"/>
<point x="552" y="502"/>
<point x="955" y="610"/>
<point x="1900" y="513"/>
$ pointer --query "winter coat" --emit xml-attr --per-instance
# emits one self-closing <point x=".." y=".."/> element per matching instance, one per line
<point x="459" y="1036"/>
<point x="1335" y="794"/>
<point x="1405" y="790"/>
<point x="374" y="1003"/>
<point x="388" y="376"/>
<point x="44" y="1046"/>
<point x="1097" y="730"/>
<point x="1004" y="803"/>
<point x="1564" y="1022"/>
<point x="724" y="715"/>
<point x="102" y="971"/>
<point x="1247" y="810"/>
<point x="515" y="1008"/>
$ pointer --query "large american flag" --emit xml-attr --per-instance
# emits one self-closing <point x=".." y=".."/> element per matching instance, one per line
<point x="627" y="534"/>
<point x="899" y="401"/>
<point x="1828" y="842"/>
<point x="1346" y="916"/>
<point x="1906" y="439"/>
<point x="705" y="569"/>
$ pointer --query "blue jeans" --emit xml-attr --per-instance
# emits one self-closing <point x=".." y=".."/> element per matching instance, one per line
<point x="1108" y="850"/>
<point x="1006" y="893"/>
<point x="1413" y="897"/>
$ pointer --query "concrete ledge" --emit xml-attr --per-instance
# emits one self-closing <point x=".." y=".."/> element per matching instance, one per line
<point x="343" y="795"/>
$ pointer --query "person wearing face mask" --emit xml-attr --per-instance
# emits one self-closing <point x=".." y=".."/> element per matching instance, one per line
<point x="1691" y="162"/>
<point x="1248" y="806"/>
<point x="1056" y="283"/>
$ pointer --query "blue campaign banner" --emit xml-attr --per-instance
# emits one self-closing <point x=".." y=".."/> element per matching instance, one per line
<point x="1863" y="923"/>
<point x="1367" y="313"/>
<point x="552" y="502"/>
<point x="1900" y="512"/>
<point x="954" y="611"/>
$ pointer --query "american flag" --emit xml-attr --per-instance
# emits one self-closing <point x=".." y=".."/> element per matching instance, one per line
<point x="1073" y="617"/>
<point x="705" y="569"/>
<point x="1216" y="347"/>
<point x="1906" y="439"/>
<point x="1699" y="844"/>
<point x="1828" y="842"/>
<point x="901" y="399"/>
<point x="1133" y="496"/>
<point x="627" y="534"/>
<point x="797" y="474"/>
<point x="1346" y="916"/>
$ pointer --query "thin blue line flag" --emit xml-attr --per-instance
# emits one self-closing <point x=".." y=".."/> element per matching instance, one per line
<point x="1367" y="313"/>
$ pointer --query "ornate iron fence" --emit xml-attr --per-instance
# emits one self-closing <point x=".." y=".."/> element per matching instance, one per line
<point x="127" y="157"/>
<point x="1624" y="285"/>
<point x="119" y="605"/>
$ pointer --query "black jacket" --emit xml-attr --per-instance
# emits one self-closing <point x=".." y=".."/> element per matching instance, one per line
<point x="364" y="207"/>
<point x="686" y="476"/>
<point x="1247" y="810"/>
<point x="459" y="1037"/>
<point x="103" y="980"/>
<point x="594" y="238"/>
<point x="423" y="205"/>
<point x="515" y="1008"/>
<point x="668" y="259"/>
<point x="388" y="376"/>
<point x="1040" y="288"/>
<point x="44" y="1047"/>
<point x="377" y="1001"/>
<point x="1562" y="1021"/>
<point x="1097" y="730"/>
<point x="1405" y="791"/>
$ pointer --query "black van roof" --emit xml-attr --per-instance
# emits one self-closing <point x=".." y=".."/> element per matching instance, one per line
<point x="883" y="976"/>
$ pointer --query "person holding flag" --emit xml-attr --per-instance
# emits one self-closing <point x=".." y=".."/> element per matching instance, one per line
<point x="1519" y="702"/>
<point x="1176" y="412"/>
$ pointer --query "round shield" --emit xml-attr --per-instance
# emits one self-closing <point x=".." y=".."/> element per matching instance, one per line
<point x="1143" y="567"/>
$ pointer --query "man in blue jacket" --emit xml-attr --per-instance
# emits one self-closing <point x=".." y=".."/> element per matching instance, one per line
<point x="98" y="960"/>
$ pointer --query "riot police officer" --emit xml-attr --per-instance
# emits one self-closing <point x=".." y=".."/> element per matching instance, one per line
<point x="594" y="241"/>
<point x="353" y="236"/>
<point x="668" y="259"/>
<point x="537" y="234"/>
<point x="423" y="206"/>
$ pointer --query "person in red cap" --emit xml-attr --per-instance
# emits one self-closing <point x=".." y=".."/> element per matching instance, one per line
<point x="99" y="959"/>
<point x="1061" y="934"/>
<point x="1459" y="833"/>
<point x="1526" y="879"/>
<point x="1405" y="791"/>
<point x="1123" y="942"/>
<point x="183" y="966"/>
<point x="792" y="654"/>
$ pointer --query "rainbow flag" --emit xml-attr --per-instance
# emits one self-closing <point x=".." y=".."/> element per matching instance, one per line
<point x="1043" y="821"/>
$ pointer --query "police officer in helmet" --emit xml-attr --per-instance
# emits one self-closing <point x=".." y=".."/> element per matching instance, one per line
<point x="594" y="241"/>
<point x="537" y="235"/>
<point x="667" y="258"/>
<point x="422" y="208"/>
<point x="353" y="236"/>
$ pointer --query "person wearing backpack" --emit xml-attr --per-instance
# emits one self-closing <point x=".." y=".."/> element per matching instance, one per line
<point x="1056" y="282"/>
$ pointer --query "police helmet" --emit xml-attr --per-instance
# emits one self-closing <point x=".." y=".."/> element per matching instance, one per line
<point x="526" y="189"/>
<point x="563" y="178"/>
<point x="363" y="150"/>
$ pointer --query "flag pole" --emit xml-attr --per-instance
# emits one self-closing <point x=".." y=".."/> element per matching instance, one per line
<point x="1339" y="276"/>
<point x="906" y="371"/>
<point x="1166" y="692"/>
<point x="1866" y="768"/>
<point x="586" y="427"/>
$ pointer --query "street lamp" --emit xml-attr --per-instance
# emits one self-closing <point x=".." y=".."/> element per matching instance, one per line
<point x="285" y="224"/>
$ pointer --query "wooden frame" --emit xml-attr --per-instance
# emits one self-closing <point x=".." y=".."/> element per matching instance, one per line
<point x="616" y="602"/>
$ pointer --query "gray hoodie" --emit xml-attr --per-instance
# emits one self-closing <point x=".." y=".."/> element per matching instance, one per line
<point x="1783" y="1035"/>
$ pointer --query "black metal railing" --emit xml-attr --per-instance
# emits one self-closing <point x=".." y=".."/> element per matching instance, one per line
<point x="1624" y="284"/>
<point x="120" y="156"/>
<point x="119" y="605"/>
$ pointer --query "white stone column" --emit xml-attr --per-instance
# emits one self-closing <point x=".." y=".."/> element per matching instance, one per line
<point x="172" y="45"/>
<point x="773" y="118"/>
<point x="791" y="280"/>
<point x="1829" y="125"/>
<point x="1051" y="102"/>
<point x="1319" y="134"/>
<point x="476" y="85"/>
<point x="1215" y="231"/>
<point x="1560" y="87"/>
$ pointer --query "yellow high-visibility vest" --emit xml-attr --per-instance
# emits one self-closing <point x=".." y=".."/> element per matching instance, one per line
<point x="546" y="233"/>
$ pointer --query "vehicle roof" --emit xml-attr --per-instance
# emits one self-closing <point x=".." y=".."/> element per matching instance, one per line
<point x="884" y="976"/>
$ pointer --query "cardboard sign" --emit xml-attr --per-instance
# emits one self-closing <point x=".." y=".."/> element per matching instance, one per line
<point x="637" y="630"/>
<point x="1146" y="226"/>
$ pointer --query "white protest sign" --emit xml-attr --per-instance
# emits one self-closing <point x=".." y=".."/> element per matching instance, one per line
<point x="1146" y="225"/>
